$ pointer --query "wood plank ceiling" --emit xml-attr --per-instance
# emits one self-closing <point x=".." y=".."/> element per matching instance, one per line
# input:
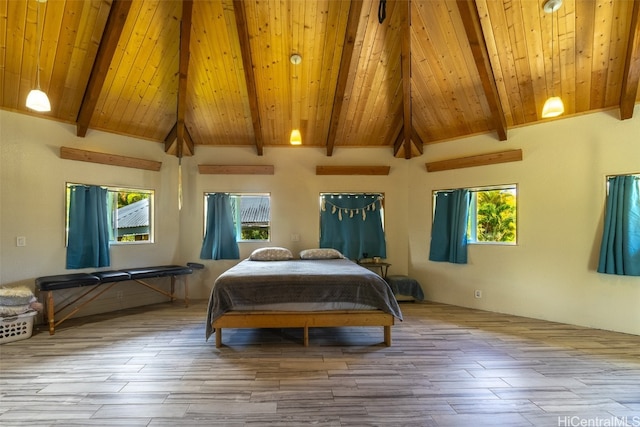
<point x="218" y="72"/>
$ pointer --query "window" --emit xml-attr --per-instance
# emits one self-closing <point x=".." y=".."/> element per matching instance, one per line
<point x="492" y="215"/>
<point x="251" y="216"/>
<point x="353" y="223"/>
<point x="130" y="214"/>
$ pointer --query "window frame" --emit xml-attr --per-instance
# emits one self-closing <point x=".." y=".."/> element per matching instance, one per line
<point x="111" y="189"/>
<point x="237" y="224"/>
<point x="473" y="216"/>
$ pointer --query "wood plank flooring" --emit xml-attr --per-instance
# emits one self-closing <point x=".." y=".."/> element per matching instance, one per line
<point x="448" y="366"/>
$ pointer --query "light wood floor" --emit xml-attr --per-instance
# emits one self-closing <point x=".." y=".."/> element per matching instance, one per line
<point x="448" y="366"/>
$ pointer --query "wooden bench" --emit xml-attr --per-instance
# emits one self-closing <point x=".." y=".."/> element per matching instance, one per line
<point x="100" y="282"/>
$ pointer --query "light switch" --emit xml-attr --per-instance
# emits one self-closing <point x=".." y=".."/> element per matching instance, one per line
<point x="21" y="241"/>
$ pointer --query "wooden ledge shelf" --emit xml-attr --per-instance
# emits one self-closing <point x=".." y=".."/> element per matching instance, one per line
<point x="352" y="170"/>
<point x="108" y="159"/>
<point x="479" y="160"/>
<point x="236" y="169"/>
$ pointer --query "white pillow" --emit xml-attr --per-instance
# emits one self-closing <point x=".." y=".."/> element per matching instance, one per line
<point x="271" y="254"/>
<point x="323" y="253"/>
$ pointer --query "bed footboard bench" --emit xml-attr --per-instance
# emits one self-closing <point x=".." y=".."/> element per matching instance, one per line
<point x="100" y="282"/>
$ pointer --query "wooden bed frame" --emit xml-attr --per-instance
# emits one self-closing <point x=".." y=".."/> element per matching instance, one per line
<point x="306" y="320"/>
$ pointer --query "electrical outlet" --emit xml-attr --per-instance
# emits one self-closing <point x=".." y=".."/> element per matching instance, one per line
<point x="119" y="295"/>
<point x="21" y="241"/>
<point x="478" y="293"/>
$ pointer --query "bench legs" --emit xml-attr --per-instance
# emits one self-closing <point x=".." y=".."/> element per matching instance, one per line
<point x="51" y="311"/>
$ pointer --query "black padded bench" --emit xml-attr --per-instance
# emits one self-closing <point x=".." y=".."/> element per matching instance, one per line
<point x="101" y="281"/>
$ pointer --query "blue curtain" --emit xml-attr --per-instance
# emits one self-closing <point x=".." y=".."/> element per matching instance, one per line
<point x="352" y="224"/>
<point x="620" y="248"/>
<point x="88" y="236"/>
<point x="220" y="236"/>
<point x="449" y="230"/>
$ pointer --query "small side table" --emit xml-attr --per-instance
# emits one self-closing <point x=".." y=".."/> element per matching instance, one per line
<point x="383" y="266"/>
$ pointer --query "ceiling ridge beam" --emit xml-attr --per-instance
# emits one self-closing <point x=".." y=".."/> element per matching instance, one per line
<point x="344" y="72"/>
<point x="631" y="73"/>
<point x="405" y="64"/>
<point x="108" y="44"/>
<point x="473" y="28"/>
<point x="247" y="65"/>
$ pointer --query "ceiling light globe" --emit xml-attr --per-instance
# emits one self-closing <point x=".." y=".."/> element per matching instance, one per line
<point x="37" y="100"/>
<point x="553" y="107"/>
<point x="296" y="137"/>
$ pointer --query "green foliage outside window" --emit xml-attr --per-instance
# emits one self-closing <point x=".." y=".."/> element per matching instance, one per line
<point x="496" y="216"/>
<point x="255" y="233"/>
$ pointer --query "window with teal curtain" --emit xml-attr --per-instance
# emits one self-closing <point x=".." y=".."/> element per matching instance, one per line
<point x="620" y="247"/>
<point x="220" y="234"/>
<point x="88" y="236"/>
<point x="352" y="224"/>
<point x="449" y="229"/>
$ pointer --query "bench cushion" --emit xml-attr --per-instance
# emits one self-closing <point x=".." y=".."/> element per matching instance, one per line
<point x="64" y="281"/>
<point x="112" y="276"/>
<point x="158" y="271"/>
<point x="404" y="285"/>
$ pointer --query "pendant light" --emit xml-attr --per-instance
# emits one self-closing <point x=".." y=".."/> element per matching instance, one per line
<point x="553" y="106"/>
<point x="296" y="137"/>
<point x="37" y="100"/>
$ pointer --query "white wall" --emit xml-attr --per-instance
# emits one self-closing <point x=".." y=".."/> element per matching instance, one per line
<point x="32" y="200"/>
<point x="295" y="191"/>
<point x="550" y="274"/>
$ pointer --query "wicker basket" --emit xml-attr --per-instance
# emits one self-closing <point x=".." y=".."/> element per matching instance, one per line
<point x="16" y="328"/>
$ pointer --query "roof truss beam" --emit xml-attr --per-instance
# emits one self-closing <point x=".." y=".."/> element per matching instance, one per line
<point x="245" y="48"/>
<point x="475" y="35"/>
<point x="631" y="71"/>
<point x="110" y="37"/>
<point x="177" y="146"/>
<point x="343" y="74"/>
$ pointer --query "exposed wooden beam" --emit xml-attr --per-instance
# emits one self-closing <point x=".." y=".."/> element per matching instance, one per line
<point x="110" y="37"/>
<point x="631" y="71"/>
<point x="344" y="72"/>
<point x="247" y="62"/>
<point x="183" y="72"/>
<point x="475" y="35"/>
<point x="405" y="63"/>
<point x="237" y="169"/>
<point x="170" y="141"/>
<point x="397" y="144"/>
<point x="108" y="159"/>
<point x="352" y="170"/>
<point x="417" y="141"/>
<point x="479" y="160"/>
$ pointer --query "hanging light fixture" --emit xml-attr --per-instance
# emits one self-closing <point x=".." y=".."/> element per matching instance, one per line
<point x="296" y="137"/>
<point x="553" y="106"/>
<point x="37" y="100"/>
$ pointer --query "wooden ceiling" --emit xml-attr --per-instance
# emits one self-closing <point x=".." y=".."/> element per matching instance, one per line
<point x="218" y="72"/>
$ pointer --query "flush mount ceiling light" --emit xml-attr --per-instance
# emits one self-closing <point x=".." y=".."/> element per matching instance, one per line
<point x="296" y="137"/>
<point x="553" y="106"/>
<point x="37" y="100"/>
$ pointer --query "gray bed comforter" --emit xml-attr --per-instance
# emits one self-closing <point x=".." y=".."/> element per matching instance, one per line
<point x="298" y="281"/>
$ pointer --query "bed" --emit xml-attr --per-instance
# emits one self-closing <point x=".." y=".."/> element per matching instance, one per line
<point x="300" y="293"/>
